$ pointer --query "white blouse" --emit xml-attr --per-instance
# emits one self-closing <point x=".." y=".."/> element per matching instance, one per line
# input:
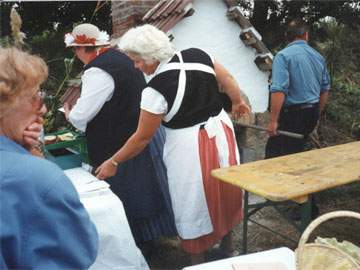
<point x="97" y="88"/>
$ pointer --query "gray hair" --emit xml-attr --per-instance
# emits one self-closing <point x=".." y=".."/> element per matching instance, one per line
<point x="148" y="42"/>
<point x="20" y="72"/>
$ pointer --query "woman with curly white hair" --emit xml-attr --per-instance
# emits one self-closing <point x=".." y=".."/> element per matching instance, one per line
<point x="183" y="94"/>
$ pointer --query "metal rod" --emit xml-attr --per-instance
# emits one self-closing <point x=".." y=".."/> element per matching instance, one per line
<point x="281" y="132"/>
<point x="245" y="222"/>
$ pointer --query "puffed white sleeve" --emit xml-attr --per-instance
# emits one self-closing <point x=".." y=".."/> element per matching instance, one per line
<point x="154" y="102"/>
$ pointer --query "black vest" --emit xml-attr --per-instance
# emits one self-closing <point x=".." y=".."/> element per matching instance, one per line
<point x="118" y="118"/>
<point x="201" y="97"/>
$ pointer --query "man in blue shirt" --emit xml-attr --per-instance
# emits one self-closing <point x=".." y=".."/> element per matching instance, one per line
<point x="299" y="90"/>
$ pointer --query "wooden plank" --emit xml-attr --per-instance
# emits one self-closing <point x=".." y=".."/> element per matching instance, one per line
<point x="298" y="175"/>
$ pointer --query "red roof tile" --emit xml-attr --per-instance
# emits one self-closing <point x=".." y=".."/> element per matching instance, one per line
<point x="165" y="14"/>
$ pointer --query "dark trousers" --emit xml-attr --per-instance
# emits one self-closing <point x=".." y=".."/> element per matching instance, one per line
<point x="294" y="119"/>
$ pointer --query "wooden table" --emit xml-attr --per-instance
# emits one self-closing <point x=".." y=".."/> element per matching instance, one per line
<point x="294" y="177"/>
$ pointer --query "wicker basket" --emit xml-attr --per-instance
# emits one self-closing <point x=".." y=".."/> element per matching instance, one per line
<point x="321" y="256"/>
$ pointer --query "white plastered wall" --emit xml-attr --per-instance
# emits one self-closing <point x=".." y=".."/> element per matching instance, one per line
<point x="209" y="29"/>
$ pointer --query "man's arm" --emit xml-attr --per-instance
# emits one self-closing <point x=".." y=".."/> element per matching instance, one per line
<point x="278" y="90"/>
<point x="276" y="102"/>
<point x="324" y="87"/>
<point x="323" y="99"/>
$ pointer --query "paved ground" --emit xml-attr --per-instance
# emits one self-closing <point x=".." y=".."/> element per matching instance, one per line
<point x="168" y="254"/>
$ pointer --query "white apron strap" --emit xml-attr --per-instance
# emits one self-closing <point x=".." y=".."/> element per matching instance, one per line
<point x="182" y="81"/>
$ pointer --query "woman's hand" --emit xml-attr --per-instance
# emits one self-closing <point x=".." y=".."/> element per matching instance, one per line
<point x="32" y="134"/>
<point x="106" y="170"/>
<point x="240" y="109"/>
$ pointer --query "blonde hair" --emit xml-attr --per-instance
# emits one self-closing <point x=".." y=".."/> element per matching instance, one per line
<point x="147" y="42"/>
<point x="20" y="72"/>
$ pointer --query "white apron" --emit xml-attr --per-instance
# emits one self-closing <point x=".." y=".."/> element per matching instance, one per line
<point x="181" y="157"/>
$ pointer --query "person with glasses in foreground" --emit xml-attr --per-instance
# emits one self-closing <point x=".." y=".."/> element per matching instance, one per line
<point x="43" y="224"/>
<point x="183" y="94"/>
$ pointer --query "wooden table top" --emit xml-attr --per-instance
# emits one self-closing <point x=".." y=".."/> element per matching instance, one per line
<point x="295" y="176"/>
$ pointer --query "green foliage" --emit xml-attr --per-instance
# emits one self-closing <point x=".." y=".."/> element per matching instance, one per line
<point x="61" y="63"/>
<point x="269" y="17"/>
<point x="38" y="16"/>
<point x="54" y="100"/>
<point x="340" y="46"/>
<point x="45" y="24"/>
<point x="344" y="106"/>
<point x="339" y="43"/>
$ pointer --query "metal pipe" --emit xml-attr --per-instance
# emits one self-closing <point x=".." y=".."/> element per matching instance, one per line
<point x="281" y="132"/>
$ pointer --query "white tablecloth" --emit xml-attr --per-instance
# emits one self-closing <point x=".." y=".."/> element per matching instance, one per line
<point x="283" y="257"/>
<point x="117" y="248"/>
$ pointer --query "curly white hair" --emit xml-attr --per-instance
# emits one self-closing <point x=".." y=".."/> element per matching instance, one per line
<point x="148" y="42"/>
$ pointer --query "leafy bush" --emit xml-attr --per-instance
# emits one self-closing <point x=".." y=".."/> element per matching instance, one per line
<point x="45" y="37"/>
<point x="62" y="67"/>
<point x="339" y="44"/>
<point x="344" y="106"/>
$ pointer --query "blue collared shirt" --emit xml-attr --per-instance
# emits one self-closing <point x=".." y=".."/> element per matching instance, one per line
<point x="43" y="224"/>
<point x="300" y="72"/>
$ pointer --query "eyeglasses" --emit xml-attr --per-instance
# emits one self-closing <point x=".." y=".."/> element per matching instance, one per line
<point x="37" y="100"/>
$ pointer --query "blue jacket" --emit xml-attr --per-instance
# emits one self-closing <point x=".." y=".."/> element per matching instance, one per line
<point x="43" y="224"/>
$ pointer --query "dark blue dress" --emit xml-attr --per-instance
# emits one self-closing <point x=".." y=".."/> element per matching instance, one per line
<point x="141" y="184"/>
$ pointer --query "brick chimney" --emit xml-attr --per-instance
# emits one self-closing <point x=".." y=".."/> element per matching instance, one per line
<point x="128" y="13"/>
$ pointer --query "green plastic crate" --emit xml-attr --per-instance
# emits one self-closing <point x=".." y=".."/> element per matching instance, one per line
<point x="68" y="159"/>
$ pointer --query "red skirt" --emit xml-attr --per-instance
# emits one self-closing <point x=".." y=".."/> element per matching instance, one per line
<point x="224" y="201"/>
